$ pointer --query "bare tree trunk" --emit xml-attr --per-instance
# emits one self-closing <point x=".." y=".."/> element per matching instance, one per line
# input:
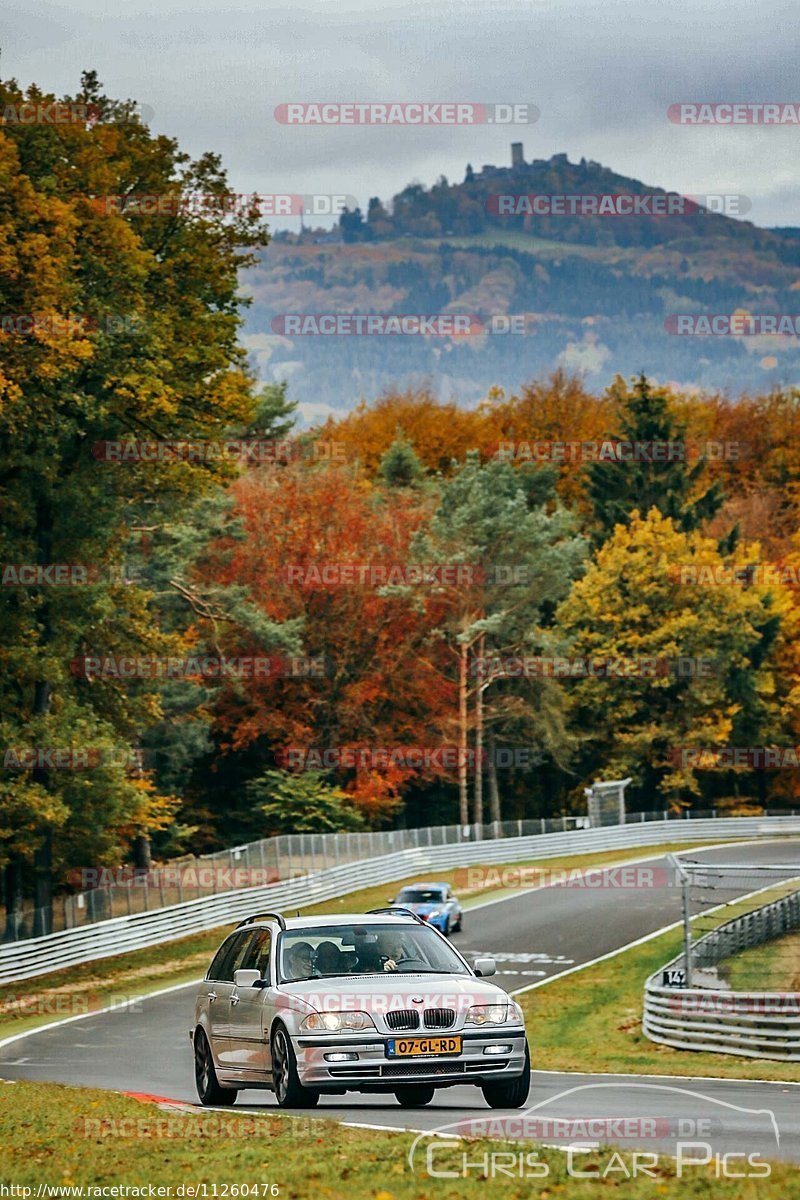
<point x="12" y="881"/>
<point x="43" y="854"/>
<point x="478" y="799"/>
<point x="463" y="795"/>
<point x="494" y="791"/>
<point x="43" y="885"/>
<point x="142" y="859"/>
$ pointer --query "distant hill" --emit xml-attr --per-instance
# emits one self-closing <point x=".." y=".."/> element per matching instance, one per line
<point x="594" y="291"/>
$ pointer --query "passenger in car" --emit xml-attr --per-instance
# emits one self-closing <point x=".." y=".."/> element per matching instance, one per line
<point x="328" y="959"/>
<point x="299" y="961"/>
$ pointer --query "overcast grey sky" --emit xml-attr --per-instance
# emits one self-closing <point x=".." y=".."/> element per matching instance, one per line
<point x="602" y="73"/>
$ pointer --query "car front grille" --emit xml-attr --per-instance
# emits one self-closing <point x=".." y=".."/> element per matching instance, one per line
<point x="439" y="1018"/>
<point x="403" y="1018"/>
<point x="431" y="1067"/>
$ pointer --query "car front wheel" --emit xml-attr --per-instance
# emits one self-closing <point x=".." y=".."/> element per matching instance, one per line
<point x="414" y="1095"/>
<point x="512" y="1093"/>
<point x="205" y="1075"/>
<point x="289" y="1091"/>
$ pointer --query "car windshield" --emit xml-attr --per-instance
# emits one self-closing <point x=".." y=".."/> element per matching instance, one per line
<point x="419" y="896"/>
<point x="315" y="952"/>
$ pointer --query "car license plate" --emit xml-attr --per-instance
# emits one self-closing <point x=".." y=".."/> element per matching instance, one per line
<point x="426" y="1047"/>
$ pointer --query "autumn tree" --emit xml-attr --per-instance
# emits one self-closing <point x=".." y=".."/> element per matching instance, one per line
<point x="678" y="659"/>
<point x="439" y="432"/>
<point x="656" y="470"/>
<point x="518" y="551"/>
<point x="371" y="680"/>
<point x="121" y="323"/>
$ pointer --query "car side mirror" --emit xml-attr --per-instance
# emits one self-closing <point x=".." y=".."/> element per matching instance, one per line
<point x="390" y="900"/>
<point x="245" y="978"/>
<point x="481" y="966"/>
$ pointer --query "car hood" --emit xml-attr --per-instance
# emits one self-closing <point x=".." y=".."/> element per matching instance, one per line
<point x="424" y="909"/>
<point x="398" y="990"/>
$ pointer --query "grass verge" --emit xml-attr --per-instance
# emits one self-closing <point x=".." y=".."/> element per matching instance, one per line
<point x="90" y="986"/>
<point x="79" y="1137"/>
<point x="773" y="967"/>
<point x="591" y="1021"/>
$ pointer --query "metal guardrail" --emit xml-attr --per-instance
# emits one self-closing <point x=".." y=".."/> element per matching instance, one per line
<point x="751" y="1024"/>
<point x="772" y="920"/>
<point x="268" y="861"/>
<point x="37" y="956"/>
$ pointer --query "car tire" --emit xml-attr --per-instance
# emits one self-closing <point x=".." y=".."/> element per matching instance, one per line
<point x="209" y="1090"/>
<point x="446" y="930"/>
<point x="457" y="928"/>
<point x="512" y="1093"/>
<point x="414" y="1095"/>
<point x="289" y="1091"/>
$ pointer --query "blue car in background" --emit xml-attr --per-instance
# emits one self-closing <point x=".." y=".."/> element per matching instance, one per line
<point x="434" y="903"/>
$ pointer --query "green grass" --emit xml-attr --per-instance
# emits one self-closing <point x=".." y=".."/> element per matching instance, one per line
<point x="773" y="967"/>
<point x="81" y="1137"/>
<point x="90" y="986"/>
<point x="591" y="1020"/>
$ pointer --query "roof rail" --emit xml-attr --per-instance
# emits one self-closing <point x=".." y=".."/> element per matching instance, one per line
<point x="260" y="917"/>
<point x="398" y="910"/>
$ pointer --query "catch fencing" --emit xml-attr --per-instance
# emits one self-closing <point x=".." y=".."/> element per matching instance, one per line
<point x="749" y="1023"/>
<point x="269" y="861"/>
<point x="104" y="939"/>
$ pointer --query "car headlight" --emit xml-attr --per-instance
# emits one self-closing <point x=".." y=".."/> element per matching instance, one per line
<point x="494" y="1014"/>
<point x="330" y="1022"/>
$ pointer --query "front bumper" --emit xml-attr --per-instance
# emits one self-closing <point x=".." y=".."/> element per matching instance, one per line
<point x="373" y="1070"/>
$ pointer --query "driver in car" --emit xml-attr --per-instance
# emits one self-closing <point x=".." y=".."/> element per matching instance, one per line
<point x="299" y="961"/>
<point x="372" y="957"/>
<point x="396" y="953"/>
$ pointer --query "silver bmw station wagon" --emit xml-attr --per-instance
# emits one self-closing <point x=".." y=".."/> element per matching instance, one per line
<point x="376" y="1002"/>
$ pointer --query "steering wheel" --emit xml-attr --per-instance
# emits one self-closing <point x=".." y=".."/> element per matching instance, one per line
<point x="404" y="959"/>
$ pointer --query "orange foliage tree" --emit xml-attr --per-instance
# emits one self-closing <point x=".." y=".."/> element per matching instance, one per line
<point x="382" y="688"/>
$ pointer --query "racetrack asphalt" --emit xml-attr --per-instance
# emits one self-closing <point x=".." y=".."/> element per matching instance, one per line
<point x="533" y="935"/>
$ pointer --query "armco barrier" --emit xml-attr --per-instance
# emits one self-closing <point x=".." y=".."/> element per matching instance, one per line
<point x="36" y="956"/>
<point x="752" y="1024"/>
<point x="269" y="860"/>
